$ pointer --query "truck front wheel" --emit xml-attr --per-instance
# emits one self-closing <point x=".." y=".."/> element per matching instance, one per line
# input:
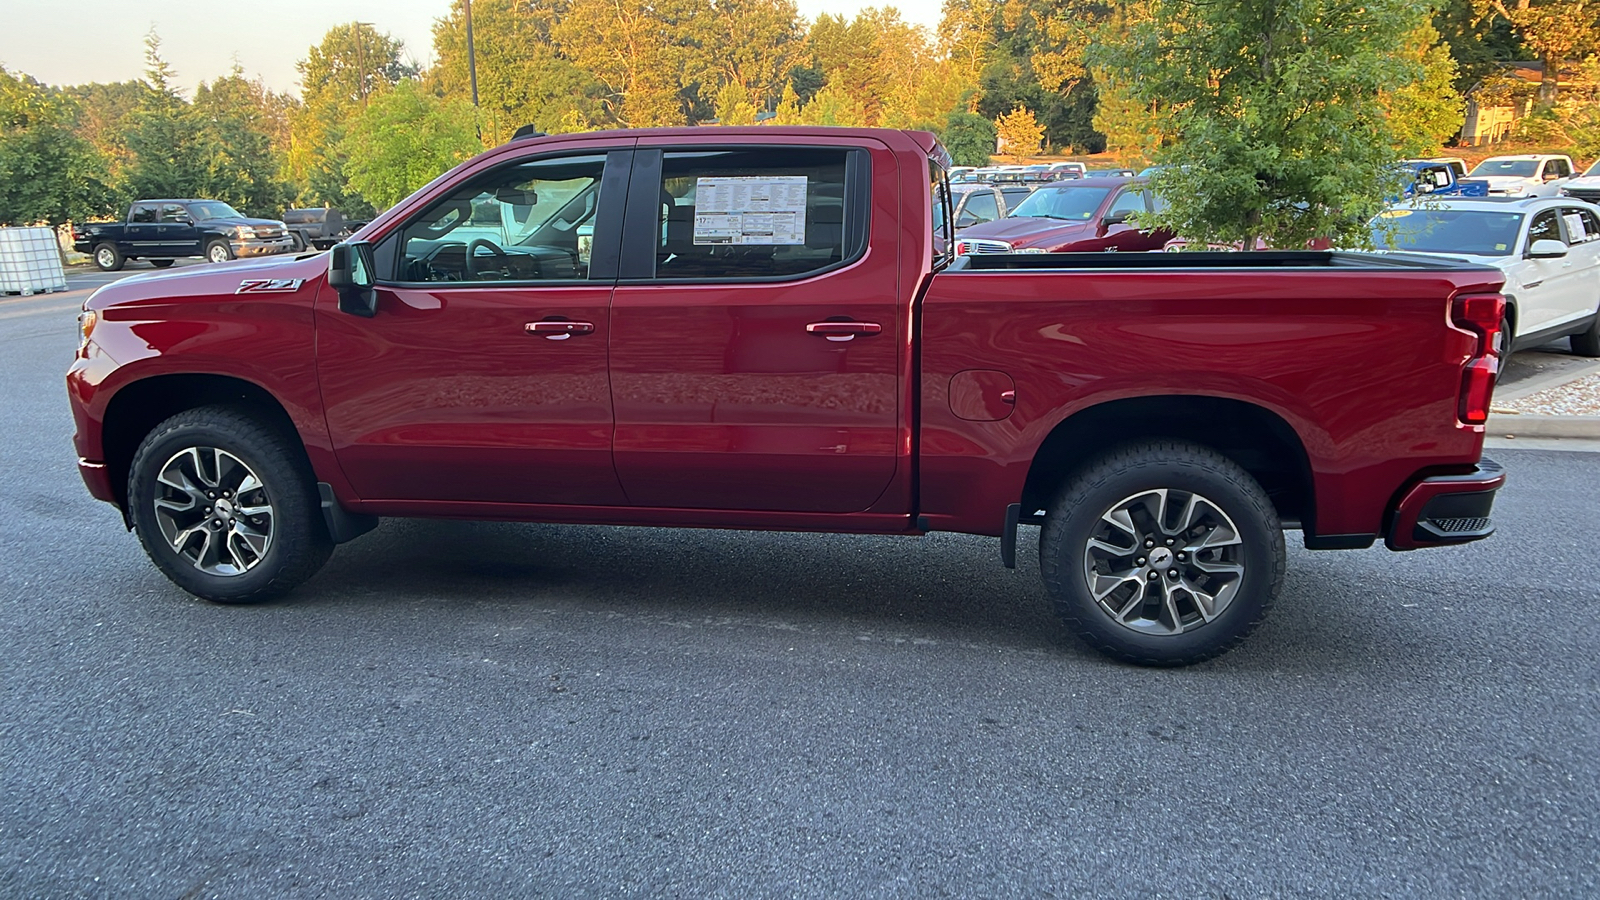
<point x="218" y="251"/>
<point x="108" y="257"/>
<point x="1162" y="554"/>
<point x="226" y="506"/>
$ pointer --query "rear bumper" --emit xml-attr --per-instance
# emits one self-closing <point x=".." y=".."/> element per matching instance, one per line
<point x="1446" y="509"/>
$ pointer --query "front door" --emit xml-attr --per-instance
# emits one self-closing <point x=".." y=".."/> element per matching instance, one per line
<point x="757" y="329"/>
<point x="482" y="377"/>
<point x="179" y="234"/>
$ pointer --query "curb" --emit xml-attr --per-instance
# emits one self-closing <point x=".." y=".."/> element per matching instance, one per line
<point x="1583" y="427"/>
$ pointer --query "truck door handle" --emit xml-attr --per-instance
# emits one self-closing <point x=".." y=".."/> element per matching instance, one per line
<point x="559" y="329"/>
<point x="843" y="331"/>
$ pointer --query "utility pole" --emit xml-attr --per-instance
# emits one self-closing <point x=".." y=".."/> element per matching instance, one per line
<point x="361" y="60"/>
<point x="472" y="58"/>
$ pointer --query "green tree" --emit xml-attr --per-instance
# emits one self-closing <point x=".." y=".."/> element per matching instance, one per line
<point x="403" y="139"/>
<point x="1020" y="134"/>
<point x="1426" y="111"/>
<point x="240" y="167"/>
<point x="523" y="79"/>
<point x="104" y="118"/>
<point x="339" y="77"/>
<point x="833" y="106"/>
<point x="1279" y="130"/>
<point x="734" y="106"/>
<point x="1556" y="30"/>
<point x="163" y="139"/>
<point x="640" y="51"/>
<point x="47" y="172"/>
<point x="969" y="138"/>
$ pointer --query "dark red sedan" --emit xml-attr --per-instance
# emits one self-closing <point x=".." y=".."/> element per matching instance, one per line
<point x="1086" y="214"/>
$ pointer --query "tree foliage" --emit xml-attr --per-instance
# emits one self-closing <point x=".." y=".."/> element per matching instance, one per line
<point x="404" y="138"/>
<point x="240" y="167"/>
<point x="1279" y="131"/>
<point x="1020" y="134"/>
<point x="339" y="77"/>
<point x="47" y="172"/>
<point x="969" y="138"/>
<point x="163" y="139"/>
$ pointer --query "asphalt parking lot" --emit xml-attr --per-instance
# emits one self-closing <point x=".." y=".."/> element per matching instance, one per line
<point x="465" y="709"/>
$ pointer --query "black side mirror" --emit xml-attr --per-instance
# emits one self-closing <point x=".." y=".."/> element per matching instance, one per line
<point x="1116" y="219"/>
<point x="350" y="273"/>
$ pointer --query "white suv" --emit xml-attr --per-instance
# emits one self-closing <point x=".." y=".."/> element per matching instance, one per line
<point x="1528" y="175"/>
<point x="1549" y="249"/>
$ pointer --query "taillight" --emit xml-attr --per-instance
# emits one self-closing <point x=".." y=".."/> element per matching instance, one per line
<point x="962" y="248"/>
<point x="1480" y="314"/>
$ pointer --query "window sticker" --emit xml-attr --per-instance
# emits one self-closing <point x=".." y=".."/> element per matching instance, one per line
<point x="750" y="210"/>
<point x="1575" y="225"/>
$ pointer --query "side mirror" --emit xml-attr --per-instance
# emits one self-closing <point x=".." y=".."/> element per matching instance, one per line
<point x="1547" y="249"/>
<point x="1116" y="219"/>
<point x="350" y="273"/>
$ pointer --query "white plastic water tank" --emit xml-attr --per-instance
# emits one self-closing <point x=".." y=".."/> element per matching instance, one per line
<point x="30" y="261"/>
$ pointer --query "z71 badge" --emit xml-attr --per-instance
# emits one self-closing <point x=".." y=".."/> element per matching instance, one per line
<point x="269" y="285"/>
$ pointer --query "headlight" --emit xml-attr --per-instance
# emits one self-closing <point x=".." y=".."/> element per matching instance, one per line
<point x="244" y="232"/>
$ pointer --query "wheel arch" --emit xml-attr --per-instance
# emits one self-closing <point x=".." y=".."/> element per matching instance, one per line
<point x="138" y="407"/>
<point x="1256" y="438"/>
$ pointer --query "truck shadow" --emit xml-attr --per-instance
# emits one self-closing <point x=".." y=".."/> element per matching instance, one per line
<point x="940" y="587"/>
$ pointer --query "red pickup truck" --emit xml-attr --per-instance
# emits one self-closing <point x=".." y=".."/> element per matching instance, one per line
<point x="749" y="328"/>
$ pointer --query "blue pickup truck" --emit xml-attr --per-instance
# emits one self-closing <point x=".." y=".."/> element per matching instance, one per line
<point x="1439" y="179"/>
<point x="164" y="230"/>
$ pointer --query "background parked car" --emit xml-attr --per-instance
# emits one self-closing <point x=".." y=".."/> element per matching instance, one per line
<point x="1085" y="214"/>
<point x="164" y="230"/>
<point x="1438" y="179"/>
<point x="1526" y="175"/>
<point x="1549" y="249"/>
<point x="975" y="204"/>
<point x="1585" y="187"/>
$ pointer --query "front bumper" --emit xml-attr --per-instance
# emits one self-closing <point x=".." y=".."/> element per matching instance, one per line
<point x="261" y="247"/>
<point x="1446" y="509"/>
<point x="97" y="478"/>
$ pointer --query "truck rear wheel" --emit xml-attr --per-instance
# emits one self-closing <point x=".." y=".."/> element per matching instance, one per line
<point x="218" y="251"/>
<point x="162" y="263"/>
<point x="1162" y="554"/>
<point x="226" y="506"/>
<point x="108" y="257"/>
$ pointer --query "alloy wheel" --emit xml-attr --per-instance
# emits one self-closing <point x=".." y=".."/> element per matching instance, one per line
<point x="214" y="511"/>
<point x="1163" y="561"/>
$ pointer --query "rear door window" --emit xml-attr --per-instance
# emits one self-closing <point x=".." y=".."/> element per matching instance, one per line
<point x="756" y="213"/>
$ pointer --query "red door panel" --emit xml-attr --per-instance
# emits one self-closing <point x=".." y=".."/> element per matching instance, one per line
<point x="445" y="394"/>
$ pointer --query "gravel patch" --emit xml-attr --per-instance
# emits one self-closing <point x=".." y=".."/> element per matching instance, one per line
<point x="1575" y="398"/>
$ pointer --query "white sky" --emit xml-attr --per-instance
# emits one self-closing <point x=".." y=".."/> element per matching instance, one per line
<point x="78" y="41"/>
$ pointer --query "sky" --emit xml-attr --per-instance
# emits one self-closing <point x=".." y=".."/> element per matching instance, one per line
<point x="78" y="41"/>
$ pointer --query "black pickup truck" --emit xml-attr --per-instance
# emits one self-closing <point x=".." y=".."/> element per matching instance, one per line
<point x="163" y="230"/>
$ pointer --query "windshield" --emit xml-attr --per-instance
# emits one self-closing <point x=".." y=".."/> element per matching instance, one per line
<point x="1521" y="168"/>
<point x="1473" y="232"/>
<point x="213" y="209"/>
<point x="1593" y="170"/>
<point x="1073" y="204"/>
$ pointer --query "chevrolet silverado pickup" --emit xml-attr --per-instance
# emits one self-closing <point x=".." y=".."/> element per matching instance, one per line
<point x="750" y="328"/>
<point x="164" y="230"/>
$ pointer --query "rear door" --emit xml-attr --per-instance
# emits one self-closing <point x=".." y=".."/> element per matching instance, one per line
<point x="756" y="330"/>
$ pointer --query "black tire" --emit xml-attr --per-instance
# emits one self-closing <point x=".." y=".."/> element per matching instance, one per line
<point x="1139" y="470"/>
<point x="108" y="257"/>
<point x="218" y="251"/>
<point x="297" y="544"/>
<point x="1587" y="343"/>
<point x="162" y="263"/>
<point x="299" y="242"/>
